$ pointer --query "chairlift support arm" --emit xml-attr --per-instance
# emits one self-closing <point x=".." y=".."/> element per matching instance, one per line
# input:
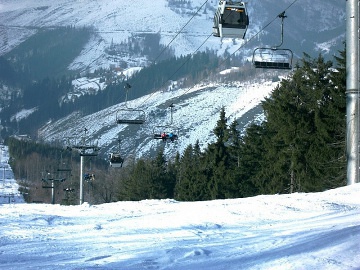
<point x="282" y="16"/>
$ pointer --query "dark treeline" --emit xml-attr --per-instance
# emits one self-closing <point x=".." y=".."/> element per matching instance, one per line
<point x="300" y="147"/>
<point x="48" y="53"/>
<point x="34" y="163"/>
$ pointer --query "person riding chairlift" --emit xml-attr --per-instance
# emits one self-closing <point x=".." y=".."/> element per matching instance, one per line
<point x="163" y="136"/>
<point x="171" y="136"/>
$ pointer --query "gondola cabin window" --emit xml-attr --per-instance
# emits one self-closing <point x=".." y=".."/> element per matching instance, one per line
<point x="234" y="17"/>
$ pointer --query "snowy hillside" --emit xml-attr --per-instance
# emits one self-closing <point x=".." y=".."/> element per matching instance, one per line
<point x="197" y="110"/>
<point x="296" y="231"/>
<point x="115" y="21"/>
<point x="195" y="114"/>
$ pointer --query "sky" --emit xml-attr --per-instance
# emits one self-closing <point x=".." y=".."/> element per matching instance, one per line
<point x="290" y="231"/>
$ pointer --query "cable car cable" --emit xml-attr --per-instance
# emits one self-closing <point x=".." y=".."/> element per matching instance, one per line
<point x="249" y="40"/>
<point x="241" y="46"/>
<point x="167" y="46"/>
<point x="188" y="58"/>
<point x="178" y="33"/>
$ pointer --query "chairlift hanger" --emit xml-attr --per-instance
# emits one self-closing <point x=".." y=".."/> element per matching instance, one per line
<point x="231" y="20"/>
<point x="274" y="57"/>
<point x="136" y="116"/>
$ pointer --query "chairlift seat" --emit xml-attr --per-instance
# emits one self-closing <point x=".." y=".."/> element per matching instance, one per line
<point x="167" y="137"/>
<point x="116" y="160"/>
<point x="115" y="165"/>
<point x="130" y="121"/>
<point x="272" y="65"/>
<point x="272" y="58"/>
<point x="130" y="116"/>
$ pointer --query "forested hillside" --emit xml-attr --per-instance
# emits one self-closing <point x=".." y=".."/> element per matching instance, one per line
<point x="300" y="147"/>
<point x="48" y="53"/>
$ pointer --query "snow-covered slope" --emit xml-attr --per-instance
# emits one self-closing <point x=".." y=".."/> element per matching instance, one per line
<point x="311" y="26"/>
<point x="9" y="192"/>
<point x="195" y="114"/>
<point x="293" y="231"/>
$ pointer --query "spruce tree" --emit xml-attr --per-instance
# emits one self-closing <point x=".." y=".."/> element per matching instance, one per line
<point x="217" y="161"/>
<point x="302" y="120"/>
<point x="191" y="179"/>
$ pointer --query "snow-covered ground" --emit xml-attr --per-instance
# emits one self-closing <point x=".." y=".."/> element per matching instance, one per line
<point x="297" y="231"/>
<point x="8" y="187"/>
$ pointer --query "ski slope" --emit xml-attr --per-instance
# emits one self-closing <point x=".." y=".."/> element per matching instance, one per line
<point x="296" y="231"/>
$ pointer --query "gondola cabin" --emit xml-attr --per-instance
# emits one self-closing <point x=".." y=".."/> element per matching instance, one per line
<point x="231" y="20"/>
<point x="116" y="161"/>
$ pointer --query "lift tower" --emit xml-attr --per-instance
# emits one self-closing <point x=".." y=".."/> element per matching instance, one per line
<point x="86" y="149"/>
<point x="352" y="91"/>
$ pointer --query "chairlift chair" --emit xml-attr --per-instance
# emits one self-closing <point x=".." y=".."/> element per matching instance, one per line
<point x="274" y="57"/>
<point x="231" y="20"/>
<point x="130" y="116"/>
<point x="89" y="177"/>
<point x="166" y="133"/>
<point x="116" y="161"/>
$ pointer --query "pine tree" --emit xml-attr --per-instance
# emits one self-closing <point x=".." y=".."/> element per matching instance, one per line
<point x="191" y="180"/>
<point x="252" y="160"/>
<point x="161" y="184"/>
<point x="217" y="160"/>
<point x="300" y="119"/>
<point x="234" y="173"/>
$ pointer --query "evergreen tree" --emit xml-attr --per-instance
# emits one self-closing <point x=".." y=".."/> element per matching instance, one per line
<point x="217" y="160"/>
<point x="236" y="186"/>
<point x="160" y="182"/>
<point x="251" y="161"/>
<point x="137" y="186"/>
<point x="299" y="119"/>
<point x="191" y="181"/>
<point x="148" y="179"/>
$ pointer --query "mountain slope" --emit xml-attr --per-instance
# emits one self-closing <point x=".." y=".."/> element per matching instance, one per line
<point x="310" y="27"/>
<point x="194" y="117"/>
<point x="125" y="24"/>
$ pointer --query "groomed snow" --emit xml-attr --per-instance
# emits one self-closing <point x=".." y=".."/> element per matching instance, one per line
<point x="297" y="231"/>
